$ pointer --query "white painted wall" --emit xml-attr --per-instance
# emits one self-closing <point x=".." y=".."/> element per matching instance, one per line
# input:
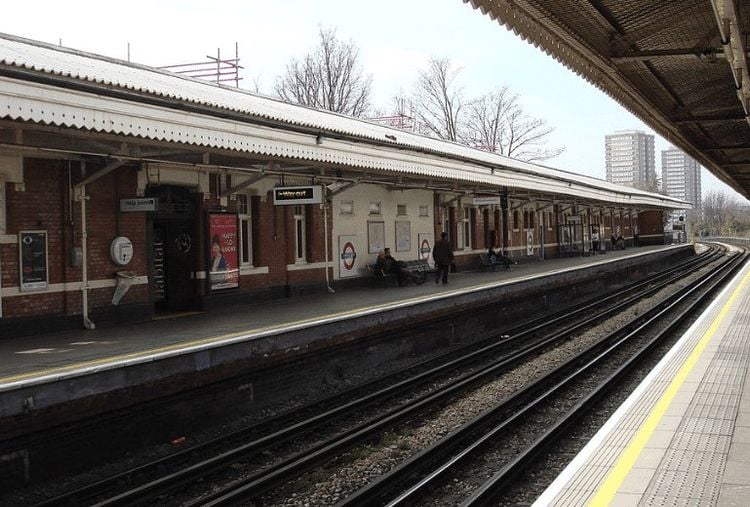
<point x="356" y="223"/>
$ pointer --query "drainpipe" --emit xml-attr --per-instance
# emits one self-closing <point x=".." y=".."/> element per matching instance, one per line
<point x="84" y="272"/>
<point x="325" y="235"/>
<point x="541" y="234"/>
<point x="3" y="213"/>
<point x="80" y="193"/>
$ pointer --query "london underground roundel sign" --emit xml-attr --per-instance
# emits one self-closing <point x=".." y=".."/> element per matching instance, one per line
<point x="424" y="249"/>
<point x="348" y="255"/>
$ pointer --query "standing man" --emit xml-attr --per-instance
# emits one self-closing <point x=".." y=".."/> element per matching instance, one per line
<point x="442" y="254"/>
<point x="595" y="240"/>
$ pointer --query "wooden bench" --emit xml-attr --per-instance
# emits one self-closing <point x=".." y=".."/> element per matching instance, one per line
<point x="484" y="260"/>
<point x="420" y="266"/>
<point x="381" y="276"/>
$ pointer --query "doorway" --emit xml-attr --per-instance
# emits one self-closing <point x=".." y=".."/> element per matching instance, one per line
<point x="172" y="250"/>
<point x="172" y="260"/>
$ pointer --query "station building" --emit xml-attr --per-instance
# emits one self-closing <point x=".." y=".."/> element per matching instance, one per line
<point x="127" y="192"/>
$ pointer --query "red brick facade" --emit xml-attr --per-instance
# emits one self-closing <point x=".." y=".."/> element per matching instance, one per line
<point x="45" y="202"/>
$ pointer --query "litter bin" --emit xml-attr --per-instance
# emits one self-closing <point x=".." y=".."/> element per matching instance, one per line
<point x="124" y="281"/>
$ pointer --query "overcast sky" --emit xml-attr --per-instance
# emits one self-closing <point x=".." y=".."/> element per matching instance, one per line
<point x="395" y="37"/>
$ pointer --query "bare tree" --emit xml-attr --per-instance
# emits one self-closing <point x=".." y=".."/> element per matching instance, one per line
<point x="256" y="84"/>
<point x="486" y="120"/>
<point x="439" y="100"/>
<point x="723" y="215"/>
<point x="328" y="78"/>
<point x="652" y="184"/>
<point x="496" y="122"/>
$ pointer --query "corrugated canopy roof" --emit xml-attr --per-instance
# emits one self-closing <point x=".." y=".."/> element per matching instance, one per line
<point x="679" y="65"/>
<point x="22" y="59"/>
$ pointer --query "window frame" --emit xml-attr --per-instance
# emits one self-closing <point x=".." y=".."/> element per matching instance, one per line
<point x="465" y="228"/>
<point x="300" y="235"/>
<point x="245" y="216"/>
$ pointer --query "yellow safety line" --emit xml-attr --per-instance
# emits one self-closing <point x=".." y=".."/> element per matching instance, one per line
<point x="627" y="459"/>
<point x="179" y="346"/>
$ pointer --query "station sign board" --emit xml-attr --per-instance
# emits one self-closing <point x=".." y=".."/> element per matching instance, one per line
<point x="486" y="200"/>
<point x="136" y="204"/>
<point x="288" y="196"/>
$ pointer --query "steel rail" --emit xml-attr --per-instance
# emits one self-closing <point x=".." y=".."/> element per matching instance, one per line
<point x="490" y="488"/>
<point x="173" y="480"/>
<point x="255" y="485"/>
<point x="446" y="449"/>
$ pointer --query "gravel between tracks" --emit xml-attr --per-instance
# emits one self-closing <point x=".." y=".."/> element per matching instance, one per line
<point x="364" y="464"/>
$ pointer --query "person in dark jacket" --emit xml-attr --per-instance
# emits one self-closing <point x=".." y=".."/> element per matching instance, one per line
<point x="494" y="257"/>
<point x="388" y="264"/>
<point x="442" y="254"/>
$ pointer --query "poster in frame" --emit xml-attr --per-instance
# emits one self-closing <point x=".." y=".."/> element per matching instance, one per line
<point x="32" y="258"/>
<point x="223" y="268"/>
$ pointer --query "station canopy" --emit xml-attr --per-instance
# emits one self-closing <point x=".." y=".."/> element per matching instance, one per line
<point x="61" y="102"/>
<point x="679" y="65"/>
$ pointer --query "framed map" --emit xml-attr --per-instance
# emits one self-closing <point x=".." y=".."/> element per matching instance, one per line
<point x="375" y="236"/>
<point x="403" y="236"/>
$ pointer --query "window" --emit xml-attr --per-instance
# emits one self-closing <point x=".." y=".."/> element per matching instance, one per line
<point x="375" y="208"/>
<point x="549" y="220"/>
<point x="2" y="208"/>
<point x="515" y="220"/>
<point x="299" y="234"/>
<point x="424" y="211"/>
<point x="244" y="220"/>
<point x="531" y="219"/>
<point x="446" y="219"/>
<point x="465" y="241"/>
<point x="401" y="210"/>
<point x="347" y="207"/>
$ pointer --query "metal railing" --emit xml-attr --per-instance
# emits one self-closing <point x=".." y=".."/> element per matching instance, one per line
<point x="732" y="240"/>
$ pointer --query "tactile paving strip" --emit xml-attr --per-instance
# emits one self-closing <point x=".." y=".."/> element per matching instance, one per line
<point x="690" y="469"/>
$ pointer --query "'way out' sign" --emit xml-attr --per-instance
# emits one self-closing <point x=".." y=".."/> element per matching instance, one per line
<point x="297" y="195"/>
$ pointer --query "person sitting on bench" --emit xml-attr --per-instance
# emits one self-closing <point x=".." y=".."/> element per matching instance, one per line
<point x="494" y="258"/>
<point x="388" y="264"/>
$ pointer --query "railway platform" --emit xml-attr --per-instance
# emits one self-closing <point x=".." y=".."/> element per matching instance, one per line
<point x="683" y="436"/>
<point x="44" y="372"/>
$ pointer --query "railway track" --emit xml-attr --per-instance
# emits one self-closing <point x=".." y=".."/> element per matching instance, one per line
<point x="534" y="336"/>
<point x="598" y="369"/>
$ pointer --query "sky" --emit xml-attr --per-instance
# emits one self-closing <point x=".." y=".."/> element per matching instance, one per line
<point x="395" y="38"/>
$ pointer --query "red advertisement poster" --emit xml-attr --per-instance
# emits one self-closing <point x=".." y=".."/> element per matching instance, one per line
<point x="223" y="269"/>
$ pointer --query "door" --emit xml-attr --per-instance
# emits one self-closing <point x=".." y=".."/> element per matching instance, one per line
<point x="172" y="261"/>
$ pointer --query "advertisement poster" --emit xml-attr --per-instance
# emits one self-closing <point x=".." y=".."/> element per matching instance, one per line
<point x="529" y="242"/>
<point x="223" y="270"/>
<point x="347" y="256"/>
<point x="32" y="248"/>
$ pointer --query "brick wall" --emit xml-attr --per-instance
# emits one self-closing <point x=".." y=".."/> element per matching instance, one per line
<point x="45" y="204"/>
